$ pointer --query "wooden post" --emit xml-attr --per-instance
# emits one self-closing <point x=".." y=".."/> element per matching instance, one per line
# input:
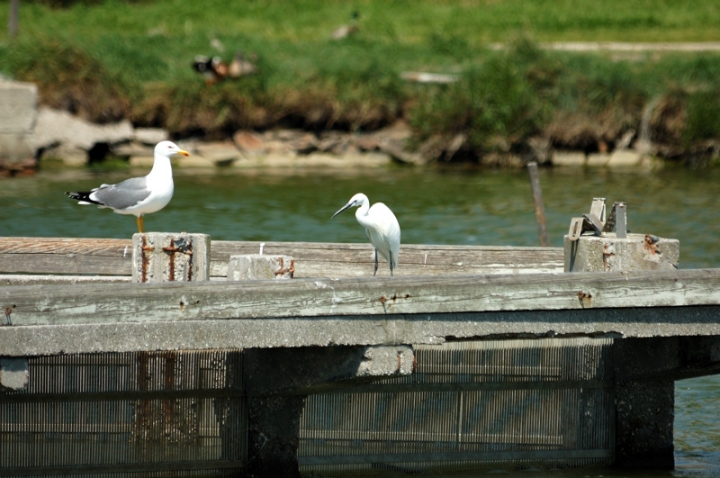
<point x="13" y="18"/>
<point x="170" y="257"/>
<point x="539" y="207"/>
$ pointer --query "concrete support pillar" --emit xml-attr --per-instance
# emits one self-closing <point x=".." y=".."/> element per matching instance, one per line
<point x="277" y="382"/>
<point x="170" y="257"/>
<point x="274" y="435"/>
<point x="645" y="399"/>
<point x="259" y="267"/>
<point x="644" y="402"/>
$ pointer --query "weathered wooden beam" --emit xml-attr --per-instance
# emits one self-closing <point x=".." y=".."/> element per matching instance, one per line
<point x="65" y="256"/>
<point x="103" y="303"/>
<point x="320" y="312"/>
<point x="114" y="257"/>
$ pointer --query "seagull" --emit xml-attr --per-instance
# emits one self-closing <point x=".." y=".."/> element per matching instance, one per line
<point x="138" y="196"/>
<point x="381" y="227"/>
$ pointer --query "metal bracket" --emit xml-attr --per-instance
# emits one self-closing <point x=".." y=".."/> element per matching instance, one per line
<point x="595" y="221"/>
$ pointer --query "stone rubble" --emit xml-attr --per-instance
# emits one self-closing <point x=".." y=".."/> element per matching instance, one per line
<point x="30" y="135"/>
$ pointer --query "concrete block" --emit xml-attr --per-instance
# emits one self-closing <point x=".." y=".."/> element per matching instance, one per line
<point x="70" y="155"/>
<point x="133" y="148"/>
<point x="150" y="136"/>
<point x="251" y="143"/>
<point x="219" y="152"/>
<point x="607" y="253"/>
<point x="193" y="161"/>
<point x="260" y="267"/>
<point x="170" y="257"/>
<point x="14" y="374"/>
<point x="386" y="361"/>
<point x="598" y="160"/>
<point x="624" y="158"/>
<point x="141" y="161"/>
<point x="573" y="158"/>
<point x="18" y="107"/>
<point x="60" y="127"/>
<point x="15" y="147"/>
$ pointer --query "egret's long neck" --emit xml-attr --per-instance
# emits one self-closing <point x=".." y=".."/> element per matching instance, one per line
<point x="361" y="214"/>
<point x="161" y="168"/>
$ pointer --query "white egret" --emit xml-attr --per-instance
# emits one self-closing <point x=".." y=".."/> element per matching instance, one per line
<point x="138" y="196"/>
<point x="381" y="226"/>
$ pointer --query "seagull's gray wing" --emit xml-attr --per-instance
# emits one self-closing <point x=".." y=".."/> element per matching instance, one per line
<point x="122" y="195"/>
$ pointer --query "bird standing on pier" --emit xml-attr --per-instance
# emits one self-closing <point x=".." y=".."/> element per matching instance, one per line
<point x="138" y="196"/>
<point x="381" y="226"/>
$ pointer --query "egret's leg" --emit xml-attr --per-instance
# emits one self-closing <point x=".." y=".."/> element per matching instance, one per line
<point x="140" y="224"/>
<point x="390" y="262"/>
<point x="376" y="263"/>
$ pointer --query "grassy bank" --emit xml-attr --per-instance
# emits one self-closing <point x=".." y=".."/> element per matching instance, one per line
<point x="111" y="59"/>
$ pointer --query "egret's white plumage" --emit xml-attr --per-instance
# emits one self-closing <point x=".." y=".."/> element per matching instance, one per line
<point x="138" y="196"/>
<point x="381" y="227"/>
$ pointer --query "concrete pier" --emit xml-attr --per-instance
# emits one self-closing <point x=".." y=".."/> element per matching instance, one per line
<point x="349" y="345"/>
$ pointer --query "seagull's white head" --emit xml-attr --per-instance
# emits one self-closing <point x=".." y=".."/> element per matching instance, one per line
<point x="169" y="149"/>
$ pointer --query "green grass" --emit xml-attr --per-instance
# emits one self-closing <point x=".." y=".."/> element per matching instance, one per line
<point x="393" y="21"/>
<point x="110" y="59"/>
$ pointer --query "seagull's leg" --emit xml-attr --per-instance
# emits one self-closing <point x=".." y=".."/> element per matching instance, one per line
<point x="376" y="263"/>
<point x="390" y="262"/>
<point x="140" y="224"/>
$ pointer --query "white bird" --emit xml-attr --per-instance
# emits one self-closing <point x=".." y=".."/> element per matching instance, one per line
<point x="381" y="226"/>
<point x="138" y="196"/>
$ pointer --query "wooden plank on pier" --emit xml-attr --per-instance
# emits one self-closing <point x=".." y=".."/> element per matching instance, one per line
<point x="126" y="303"/>
<point x="39" y="255"/>
<point x="317" y="259"/>
<point x="22" y="255"/>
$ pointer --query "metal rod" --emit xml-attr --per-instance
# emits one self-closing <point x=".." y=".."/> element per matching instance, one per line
<point x="621" y="220"/>
<point x="537" y="198"/>
<point x="454" y="456"/>
<point x="13" y="18"/>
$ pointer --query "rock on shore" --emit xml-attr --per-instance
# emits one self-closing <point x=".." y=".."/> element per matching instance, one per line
<point x="31" y="135"/>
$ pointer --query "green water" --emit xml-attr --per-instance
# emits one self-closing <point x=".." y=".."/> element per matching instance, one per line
<point x="449" y="207"/>
<point x="439" y="207"/>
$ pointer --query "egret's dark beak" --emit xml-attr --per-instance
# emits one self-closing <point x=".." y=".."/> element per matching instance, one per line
<point x="342" y="209"/>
